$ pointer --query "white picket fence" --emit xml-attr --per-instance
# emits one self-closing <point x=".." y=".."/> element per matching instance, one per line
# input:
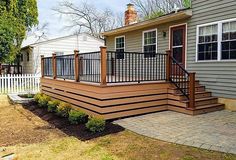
<point x="25" y="83"/>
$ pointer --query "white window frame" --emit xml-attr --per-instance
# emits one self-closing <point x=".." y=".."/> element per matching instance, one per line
<point x="219" y="40"/>
<point x="146" y="31"/>
<point x="123" y="36"/>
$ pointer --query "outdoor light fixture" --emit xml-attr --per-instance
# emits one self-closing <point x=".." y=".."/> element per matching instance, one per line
<point x="164" y="34"/>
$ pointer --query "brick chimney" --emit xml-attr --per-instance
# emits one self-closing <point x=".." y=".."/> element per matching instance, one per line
<point x="131" y="15"/>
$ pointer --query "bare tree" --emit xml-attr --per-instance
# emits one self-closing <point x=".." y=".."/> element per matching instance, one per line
<point x="87" y="18"/>
<point x="152" y="8"/>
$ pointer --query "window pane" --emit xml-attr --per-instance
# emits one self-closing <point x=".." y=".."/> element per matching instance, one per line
<point x="233" y="54"/>
<point x="225" y="36"/>
<point x="201" y="39"/>
<point x="225" y="54"/>
<point x="232" y="35"/>
<point x="233" y="26"/>
<point x="214" y="55"/>
<point x="214" y="38"/>
<point x="201" y="47"/>
<point x="178" y="37"/>
<point x="201" y="56"/>
<point x="226" y="27"/>
<point x="207" y="38"/>
<point x="149" y="37"/>
<point x="225" y="46"/>
<point x="150" y="51"/>
<point x="120" y="53"/>
<point x="178" y="54"/>
<point x="233" y="45"/>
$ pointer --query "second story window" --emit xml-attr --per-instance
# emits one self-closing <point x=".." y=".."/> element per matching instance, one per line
<point x="120" y="47"/>
<point x="150" y="43"/>
<point x="207" y="42"/>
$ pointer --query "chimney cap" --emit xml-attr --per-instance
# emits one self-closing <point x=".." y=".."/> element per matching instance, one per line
<point x="130" y="4"/>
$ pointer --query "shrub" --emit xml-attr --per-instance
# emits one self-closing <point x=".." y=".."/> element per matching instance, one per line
<point x="77" y="117"/>
<point x="37" y="97"/>
<point x="43" y="100"/>
<point x="95" y="124"/>
<point x="52" y="105"/>
<point x="63" y="109"/>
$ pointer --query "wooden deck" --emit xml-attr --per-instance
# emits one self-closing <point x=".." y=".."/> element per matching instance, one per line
<point x="105" y="86"/>
<point x="122" y="100"/>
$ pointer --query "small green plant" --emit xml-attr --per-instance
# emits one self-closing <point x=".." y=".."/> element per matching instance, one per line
<point x="37" y="97"/>
<point x="63" y="109"/>
<point x="95" y="124"/>
<point x="77" y="117"/>
<point x="43" y="100"/>
<point x="52" y="105"/>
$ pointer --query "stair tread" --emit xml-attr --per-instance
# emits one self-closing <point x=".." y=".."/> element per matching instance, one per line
<point x="209" y="106"/>
<point x="175" y="88"/>
<point x="201" y="92"/>
<point x="203" y="99"/>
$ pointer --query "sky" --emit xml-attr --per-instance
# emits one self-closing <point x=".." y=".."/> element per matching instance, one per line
<point x="56" y="25"/>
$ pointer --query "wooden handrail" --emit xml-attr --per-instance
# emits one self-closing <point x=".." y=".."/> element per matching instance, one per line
<point x="77" y="66"/>
<point x="192" y="90"/>
<point x="42" y="65"/>
<point x="54" y="66"/>
<point x="103" y="51"/>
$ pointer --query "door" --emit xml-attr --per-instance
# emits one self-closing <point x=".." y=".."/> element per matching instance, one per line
<point x="178" y="43"/>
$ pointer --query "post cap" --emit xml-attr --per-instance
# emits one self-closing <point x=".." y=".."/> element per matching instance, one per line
<point x="76" y="51"/>
<point x="103" y="47"/>
<point x="42" y="56"/>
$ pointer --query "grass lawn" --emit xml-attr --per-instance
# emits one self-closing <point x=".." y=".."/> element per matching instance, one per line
<point x="31" y="138"/>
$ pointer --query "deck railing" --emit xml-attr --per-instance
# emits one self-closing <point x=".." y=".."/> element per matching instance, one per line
<point x="120" y="67"/>
<point x="135" y="67"/>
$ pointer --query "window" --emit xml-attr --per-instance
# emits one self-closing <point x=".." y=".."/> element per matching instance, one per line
<point x="150" y="43"/>
<point x="217" y="41"/>
<point x="120" y="47"/>
<point x="28" y="56"/>
<point x="207" y="42"/>
<point x="228" y="44"/>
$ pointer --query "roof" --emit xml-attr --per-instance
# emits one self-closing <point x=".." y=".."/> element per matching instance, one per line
<point x="58" y="38"/>
<point x="173" y="16"/>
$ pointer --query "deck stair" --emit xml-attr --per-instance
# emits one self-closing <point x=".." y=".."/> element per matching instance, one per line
<point x="204" y="101"/>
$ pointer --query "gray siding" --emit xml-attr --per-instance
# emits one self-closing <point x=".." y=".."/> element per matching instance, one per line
<point x="133" y="40"/>
<point x="219" y="77"/>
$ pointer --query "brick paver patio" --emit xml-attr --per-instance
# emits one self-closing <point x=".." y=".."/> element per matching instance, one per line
<point x="213" y="131"/>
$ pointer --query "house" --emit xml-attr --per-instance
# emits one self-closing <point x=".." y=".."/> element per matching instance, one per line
<point x="202" y="39"/>
<point x="182" y="61"/>
<point x="33" y="49"/>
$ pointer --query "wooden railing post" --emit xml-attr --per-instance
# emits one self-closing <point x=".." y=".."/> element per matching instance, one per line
<point x="76" y="65"/>
<point x="42" y="66"/>
<point x="168" y="65"/>
<point x="54" y="66"/>
<point x="103" y="51"/>
<point x="192" y="90"/>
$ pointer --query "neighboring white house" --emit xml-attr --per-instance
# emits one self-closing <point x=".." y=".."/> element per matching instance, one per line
<point x="31" y="53"/>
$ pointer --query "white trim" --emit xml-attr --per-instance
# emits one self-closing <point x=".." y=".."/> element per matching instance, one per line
<point x="123" y="36"/>
<point x="219" y="41"/>
<point x="146" y="31"/>
<point x="186" y="41"/>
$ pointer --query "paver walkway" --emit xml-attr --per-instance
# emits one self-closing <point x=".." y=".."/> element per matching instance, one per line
<point x="213" y="131"/>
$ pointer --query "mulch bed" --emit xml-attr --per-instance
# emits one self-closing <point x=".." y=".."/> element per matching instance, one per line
<point x="63" y="124"/>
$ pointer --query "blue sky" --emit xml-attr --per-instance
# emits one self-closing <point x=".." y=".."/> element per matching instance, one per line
<point x="56" y="25"/>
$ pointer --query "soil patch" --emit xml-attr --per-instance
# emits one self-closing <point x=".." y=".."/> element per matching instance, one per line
<point x="78" y="131"/>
